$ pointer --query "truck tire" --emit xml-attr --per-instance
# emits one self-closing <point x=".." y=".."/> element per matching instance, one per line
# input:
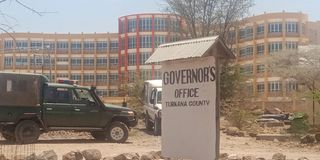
<point x="99" y="135"/>
<point x="27" y="131"/>
<point x="148" y="123"/>
<point x="157" y="127"/>
<point x="117" y="132"/>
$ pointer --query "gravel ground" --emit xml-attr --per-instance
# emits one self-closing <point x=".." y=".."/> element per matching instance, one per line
<point x="140" y="141"/>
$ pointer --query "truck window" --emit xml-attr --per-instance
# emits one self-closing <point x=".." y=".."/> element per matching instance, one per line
<point x="84" y="94"/>
<point x="159" y="97"/>
<point x="56" y="95"/>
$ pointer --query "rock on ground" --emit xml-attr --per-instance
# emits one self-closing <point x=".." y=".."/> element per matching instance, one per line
<point x="48" y="155"/>
<point x="303" y="158"/>
<point x="307" y="139"/>
<point x="91" y="154"/>
<point x="73" y="155"/>
<point x="279" y="156"/>
<point x="127" y="156"/>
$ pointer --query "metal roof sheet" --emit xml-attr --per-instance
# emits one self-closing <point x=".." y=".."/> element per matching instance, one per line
<point x="183" y="49"/>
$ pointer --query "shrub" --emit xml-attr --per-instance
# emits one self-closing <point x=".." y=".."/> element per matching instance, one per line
<point x="240" y="117"/>
<point x="299" y="123"/>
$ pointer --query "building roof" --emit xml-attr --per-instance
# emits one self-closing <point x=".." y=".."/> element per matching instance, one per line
<point x="189" y="49"/>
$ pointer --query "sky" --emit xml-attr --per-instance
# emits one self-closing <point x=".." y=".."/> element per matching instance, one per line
<point x="89" y="16"/>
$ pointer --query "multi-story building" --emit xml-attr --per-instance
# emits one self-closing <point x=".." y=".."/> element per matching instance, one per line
<point x="108" y="60"/>
<point x="139" y="35"/>
<point x="256" y="39"/>
<point x="92" y="59"/>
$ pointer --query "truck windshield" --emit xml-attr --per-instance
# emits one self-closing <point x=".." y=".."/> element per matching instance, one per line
<point x="84" y="94"/>
<point x="159" y="97"/>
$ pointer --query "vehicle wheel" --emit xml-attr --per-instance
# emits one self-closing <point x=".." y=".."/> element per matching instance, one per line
<point x="98" y="135"/>
<point x="157" y="127"/>
<point x="27" y="131"/>
<point x="148" y="123"/>
<point x="117" y="132"/>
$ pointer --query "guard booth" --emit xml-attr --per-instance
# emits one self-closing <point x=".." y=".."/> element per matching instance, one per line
<point x="190" y="96"/>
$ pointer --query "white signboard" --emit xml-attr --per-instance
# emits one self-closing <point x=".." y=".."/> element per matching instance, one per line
<point x="189" y="109"/>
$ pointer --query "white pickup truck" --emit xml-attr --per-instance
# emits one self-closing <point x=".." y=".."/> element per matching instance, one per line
<point x="152" y="105"/>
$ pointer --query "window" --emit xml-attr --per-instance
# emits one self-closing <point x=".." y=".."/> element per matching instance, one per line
<point x="88" y="61"/>
<point x="260" y="68"/>
<point x="123" y="60"/>
<point x="57" y="95"/>
<point x="62" y="45"/>
<point x="260" y="29"/>
<point x="132" y="24"/>
<point x="88" y="77"/>
<point x="275" y="86"/>
<point x="275" y="27"/>
<point x="101" y="77"/>
<point x="158" y="40"/>
<point x="145" y="24"/>
<point x="102" y="61"/>
<point x="131" y="59"/>
<point x="158" y="74"/>
<point x="291" y="45"/>
<point x="8" y="61"/>
<point x="113" y="77"/>
<point x="291" y="85"/>
<point x="146" y="74"/>
<point x="113" y="93"/>
<point x="8" y="44"/>
<point x="160" y="24"/>
<point x="246" y="69"/>
<point x="275" y="47"/>
<point x="62" y="75"/>
<point x="75" y="61"/>
<point x="49" y="45"/>
<point x="145" y="42"/>
<point x="246" y="33"/>
<point x="113" y="61"/>
<point x="260" y="49"/>
<point x="84" y="94"/>
<point x="174" y="25"/>
<point x="260" y="87"/>
<point x="21" y="61"/>
<point x="23" y="45"/>
<point x="246" y="52"/>
<point x="101" y="46"/>
<point x="35" y="44"/>
<point x="102" y="92"/>
<point x="88" y="46"/>
<point x="76" y="77"/>
<point x="132" y="76"/>
<point x="114" y="46"/>
<point x="76" y="46"/>
<point x="131" y="42"/>
<point x="122" y="27"/>
<point x="143" y="57"/>
<point x="249" y="87"/>
<point x="174" y="38"/>
<point x="292" y="27"/>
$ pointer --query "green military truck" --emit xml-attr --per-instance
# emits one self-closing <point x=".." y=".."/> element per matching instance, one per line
<point x="30" y="105"/>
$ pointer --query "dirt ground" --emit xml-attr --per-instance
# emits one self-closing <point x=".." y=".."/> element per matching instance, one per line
<point x="141" y="141"/>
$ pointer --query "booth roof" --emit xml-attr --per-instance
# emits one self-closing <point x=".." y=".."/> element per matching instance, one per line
<point x="189" y="49"/>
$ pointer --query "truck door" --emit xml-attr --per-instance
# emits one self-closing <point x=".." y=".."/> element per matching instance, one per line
<point x="57" y="107"/>
<point x="152" y="101"/>
<point x="87" y="112"/>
